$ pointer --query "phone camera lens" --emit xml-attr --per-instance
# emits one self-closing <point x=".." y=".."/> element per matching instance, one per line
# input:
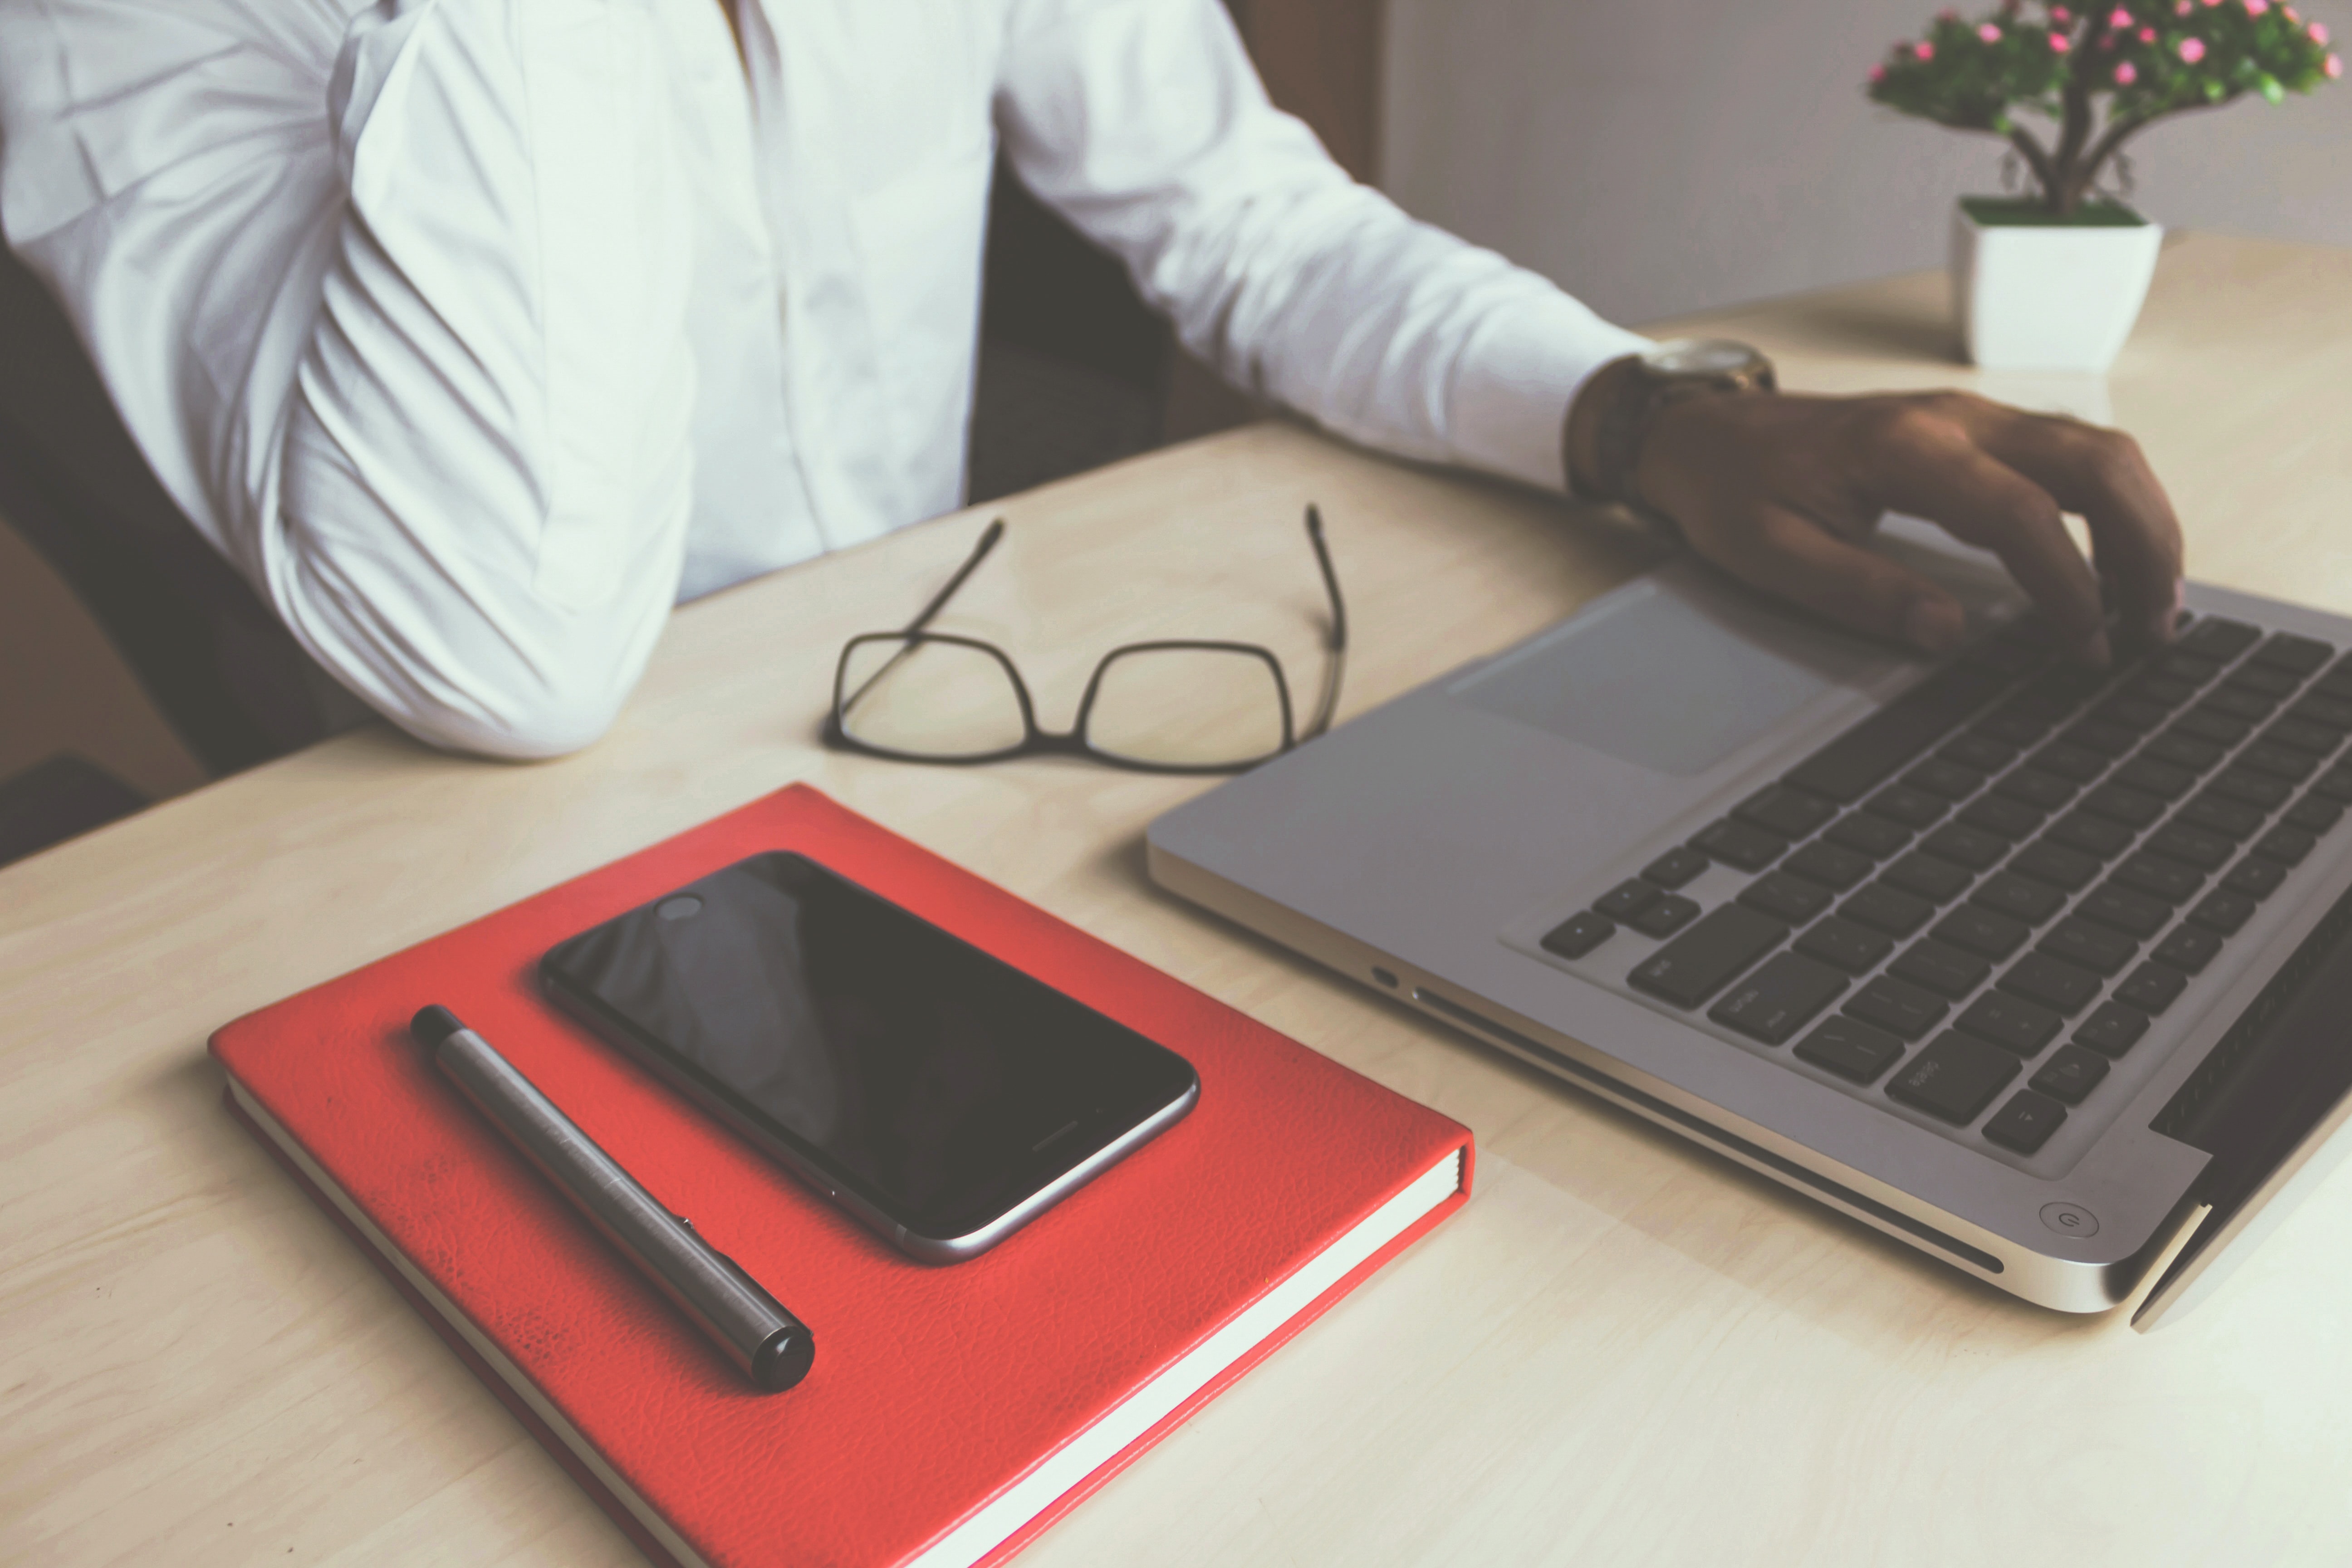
<point x="679" y="907"/>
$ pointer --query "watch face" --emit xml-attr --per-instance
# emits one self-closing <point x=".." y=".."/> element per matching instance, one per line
<point x="1700" y="356"/>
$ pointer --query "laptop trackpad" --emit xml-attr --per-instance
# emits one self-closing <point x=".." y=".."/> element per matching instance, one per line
<point x="1672" y="674"/>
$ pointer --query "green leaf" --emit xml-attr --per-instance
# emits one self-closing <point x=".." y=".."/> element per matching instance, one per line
<point x="2269" y="86"/>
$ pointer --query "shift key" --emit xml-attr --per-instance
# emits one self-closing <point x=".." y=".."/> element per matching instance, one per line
<point x="1701" y="960"/>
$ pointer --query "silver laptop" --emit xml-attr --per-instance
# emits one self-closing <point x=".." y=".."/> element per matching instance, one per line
<point x="2045" y="972"/>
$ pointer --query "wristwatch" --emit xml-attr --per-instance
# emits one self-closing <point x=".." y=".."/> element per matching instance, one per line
<point x="1602" y="449"/>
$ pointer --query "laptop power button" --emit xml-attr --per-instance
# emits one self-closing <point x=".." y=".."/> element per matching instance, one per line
<point x="2070" y="1219"/>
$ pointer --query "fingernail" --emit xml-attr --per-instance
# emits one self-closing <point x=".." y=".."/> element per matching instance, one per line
<point x="1934" y="626"/>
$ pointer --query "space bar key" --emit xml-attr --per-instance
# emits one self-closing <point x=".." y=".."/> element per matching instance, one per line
<point x="1863" y="757"/>
<point x="1701" y="960"/>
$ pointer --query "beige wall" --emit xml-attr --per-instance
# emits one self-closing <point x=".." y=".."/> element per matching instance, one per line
<point x="1656" y="157"/>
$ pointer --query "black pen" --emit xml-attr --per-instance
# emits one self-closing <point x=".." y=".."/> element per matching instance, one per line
<point x="767" y="1343"/>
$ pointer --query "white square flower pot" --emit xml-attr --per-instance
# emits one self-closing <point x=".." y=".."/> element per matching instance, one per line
<point x="2059" y="298"/>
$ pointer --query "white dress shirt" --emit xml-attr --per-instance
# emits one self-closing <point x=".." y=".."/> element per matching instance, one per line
<point x="476" y="334"/>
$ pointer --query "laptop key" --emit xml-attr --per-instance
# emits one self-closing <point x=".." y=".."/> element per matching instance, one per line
<point x="1954" y="1079"/>
<point x="1627" y="899"/>
<point x="1868" y="754"/>
<point x="2263" y="681"/>
<point x="2236" y="702"/>
<point x="2223" y="913"/>
<point x="2092" y="835"/>
<point x="1947" y="971"/>
<point x="1790" y="813"/>
<point x="2095" y="947"/>
<point x="2043" y="792"/>
<point x="2318" y="707"/>
<point x="1999" y="814"/>
<point x="1964" y="846"/>
<point x="1853" y="948"/>
<point x="1833" y="866"/>
<point x="1947" y="779"/>
<point x="2179" y="665"/>
<point x="2188" y="949"/>
<point x="2077" y="765"/>
<point x="2053" y="982"/>
<point x="2287" y="845"/>
<point x="2129" y="911"/>
<point x="2312" y="814"/>
<point x="2334" y="784"/>
<point x="1779" y="997"/>
<point x="2153" y="777"/>
<point x="1987" y="755"/>
<point x="1890" y="910"/>
<point x="1851" y="1049"/>
<point x="1787" y="898"/>
<point x="2304" y="735"/>
<point x="2183" y="751"/>
<point x="1939" y="881"/>
<point x="2303" y="655"/>
<point x="2159" y="877"/>
<point x="1674" y="867"/>
<point x="1665" y="916"/>
<point x="2070" y="1073"/>
<point x="2152" y="988"/>
<point x="2217" y="727"/>
<point x="2285" y="762"/>
<point x="2009" y="1022"/>
<point x="2133" y="808"/>
<point x="1985" y="933"/>
<point x="2104" y="736"/>
<point x="2111" y="1028"/>
<point x="1914" y="808"/>
<point x="1867" y="835"/>
<point x="2011" y="894"/>
<point x="2192" y="845"/>
<point x="2055" y="864"/>
<point x="2014" y="731"/>
<point x="1696" y="964"/>
<point x="2254" y="877"/>
<point x="1737" y="844"/>
<point x="2256" y="789"/>
<point x="2026" y="1122"/>
<point x="1897" y="1007"/>
<point x="2231" y="819"/>
<point x="1578" y="934"/>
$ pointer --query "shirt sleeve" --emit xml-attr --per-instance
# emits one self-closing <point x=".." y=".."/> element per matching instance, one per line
<point x="1143" y="122"/>
<point x="394" y="302"/>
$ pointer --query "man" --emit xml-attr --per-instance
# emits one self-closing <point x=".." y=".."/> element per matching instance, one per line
<point x="476" y="334"/>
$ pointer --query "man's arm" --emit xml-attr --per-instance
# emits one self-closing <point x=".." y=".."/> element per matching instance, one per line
<point x="1142" y="121"/>
<point x="397" y="315"/>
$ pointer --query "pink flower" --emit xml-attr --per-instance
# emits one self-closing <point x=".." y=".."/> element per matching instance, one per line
<point x="2256" y="7"/>
<point x="2126" y="75"/>
<point x="2334" y="68"/>
<point x="2212" y="2"/>
<point x="1923" y="51"/>
<point x="1878" y="73"/>
<point x="2192" y="49"/>
<point x="1948" y="15"/>
<point x="2183" y="8"/>
<point x="2288" y="12"/>
<point x="2061" y="16"/>
<point x="2148" y="34"/>
<point x="1989" y="33"/>
<point x="2318" y="31"/>
<point x="2060" y="43"/>
<point x="2119" y="19"/>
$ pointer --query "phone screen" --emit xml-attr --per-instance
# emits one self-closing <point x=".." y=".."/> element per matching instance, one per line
<point x="942" y="1085"/>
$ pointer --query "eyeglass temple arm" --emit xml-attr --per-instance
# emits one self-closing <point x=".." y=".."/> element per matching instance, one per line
<point x="989" y="537"/>
<point x="988" y="541"/>
<point x="1335" y="640"/>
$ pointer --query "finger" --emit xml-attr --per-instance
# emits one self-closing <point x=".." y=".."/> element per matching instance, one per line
<point x="2101" y="476"/>
<point x="1929" y="467"/>
<point x="1789" y="555"/>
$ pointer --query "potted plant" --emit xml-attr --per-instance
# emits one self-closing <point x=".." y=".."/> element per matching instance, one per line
<point x="2053" y="280"/>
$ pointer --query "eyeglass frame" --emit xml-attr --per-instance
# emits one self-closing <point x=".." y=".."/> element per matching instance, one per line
<point x="1039" y="741"/>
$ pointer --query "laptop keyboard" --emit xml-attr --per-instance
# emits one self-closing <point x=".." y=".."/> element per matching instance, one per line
<point x="2006" y="873"/>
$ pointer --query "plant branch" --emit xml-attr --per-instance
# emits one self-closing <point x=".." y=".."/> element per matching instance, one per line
<point x="2119" y="131"/>
<point x="2037" y="157"/>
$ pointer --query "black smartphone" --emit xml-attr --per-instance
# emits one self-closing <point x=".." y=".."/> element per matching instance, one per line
<point x="940" y="1095"/>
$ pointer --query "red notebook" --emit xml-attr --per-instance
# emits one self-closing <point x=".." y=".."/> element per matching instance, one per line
<point x="952" y="1412"/>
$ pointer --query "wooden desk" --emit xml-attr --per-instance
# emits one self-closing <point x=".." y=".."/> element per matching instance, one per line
<point x="1624" y="1350"/>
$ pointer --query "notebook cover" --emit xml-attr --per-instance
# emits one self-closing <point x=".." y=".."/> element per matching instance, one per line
<point x="934" y="1388"/>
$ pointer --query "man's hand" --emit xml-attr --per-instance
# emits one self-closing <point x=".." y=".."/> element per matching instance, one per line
<point x="1778" y="488"/>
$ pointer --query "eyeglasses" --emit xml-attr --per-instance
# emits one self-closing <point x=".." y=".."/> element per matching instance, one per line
<point x="1179" y="707"/>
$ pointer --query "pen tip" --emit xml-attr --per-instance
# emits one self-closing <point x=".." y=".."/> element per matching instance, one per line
<point x="433" y="1024"/>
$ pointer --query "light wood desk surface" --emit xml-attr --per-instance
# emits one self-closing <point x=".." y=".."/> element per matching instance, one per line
<point x="1624" y="1350"/>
